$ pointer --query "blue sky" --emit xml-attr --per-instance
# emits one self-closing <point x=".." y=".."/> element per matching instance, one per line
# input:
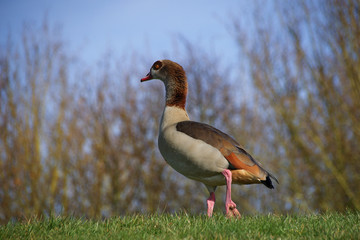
<point x="147" y="27"/>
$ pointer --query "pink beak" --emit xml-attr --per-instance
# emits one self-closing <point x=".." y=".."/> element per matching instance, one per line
<point x="147" y="77"/>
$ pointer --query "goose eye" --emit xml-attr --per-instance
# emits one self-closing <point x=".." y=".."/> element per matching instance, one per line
<point x="157" y="65"/>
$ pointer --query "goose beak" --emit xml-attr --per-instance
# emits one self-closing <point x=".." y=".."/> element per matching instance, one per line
<point x="147" y="77"/>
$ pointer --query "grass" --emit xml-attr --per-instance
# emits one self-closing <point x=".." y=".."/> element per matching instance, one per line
<point x="183" y="226"/>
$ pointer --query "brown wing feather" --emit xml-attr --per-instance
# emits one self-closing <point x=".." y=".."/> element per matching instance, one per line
<point x="238" y="164"/>
<point x="232" y="151"/>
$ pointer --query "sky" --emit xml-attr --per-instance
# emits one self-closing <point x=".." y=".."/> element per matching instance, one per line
<point x="147" y="27"/>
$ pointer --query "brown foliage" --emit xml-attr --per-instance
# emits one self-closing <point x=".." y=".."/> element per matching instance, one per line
<point x="82" y="141"/>
<point x="307" y="72"/>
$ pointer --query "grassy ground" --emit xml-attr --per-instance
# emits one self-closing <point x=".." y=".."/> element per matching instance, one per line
<point x="183" y="226"/>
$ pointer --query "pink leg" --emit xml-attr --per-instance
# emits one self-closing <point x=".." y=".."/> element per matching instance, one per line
<point x="231" y="210"/>
<point x="211" y="202"/>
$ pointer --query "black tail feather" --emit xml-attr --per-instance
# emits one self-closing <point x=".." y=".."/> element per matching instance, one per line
<point x="268" y="181"/>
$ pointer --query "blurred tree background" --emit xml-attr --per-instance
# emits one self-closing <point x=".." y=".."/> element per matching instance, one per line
<point x="82" y="140"/>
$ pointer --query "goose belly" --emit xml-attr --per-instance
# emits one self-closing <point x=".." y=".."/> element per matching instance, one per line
<point x="191" y="157"/>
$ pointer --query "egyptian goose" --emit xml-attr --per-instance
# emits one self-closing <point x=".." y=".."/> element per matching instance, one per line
<point x="197" y="150"/>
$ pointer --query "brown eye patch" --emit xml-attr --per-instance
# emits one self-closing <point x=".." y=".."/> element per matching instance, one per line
<point x="157" y="65"/>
